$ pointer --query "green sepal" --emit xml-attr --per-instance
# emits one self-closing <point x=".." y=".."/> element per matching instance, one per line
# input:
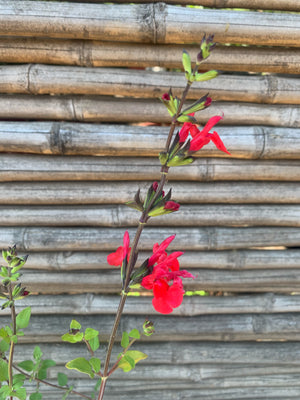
<point x="81" y="365"/>
<point x="186" y="118"/>
<point x="206" y="76"/>
<point x="178" y="161"/>
<point x="163" y="157"/>
<point x="186" y="62"/>
<point x="4" y="272"/>
<point x="139" y="273"/>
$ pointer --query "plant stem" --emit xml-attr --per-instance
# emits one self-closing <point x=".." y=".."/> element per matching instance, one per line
<point x="50" y="384"/>
<point x="12" y="344"/>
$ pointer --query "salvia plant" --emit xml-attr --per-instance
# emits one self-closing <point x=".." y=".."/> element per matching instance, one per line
<point x="159" y="273"/>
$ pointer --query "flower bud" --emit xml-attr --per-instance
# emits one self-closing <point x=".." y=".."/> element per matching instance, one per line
<point x="148" y="328"/>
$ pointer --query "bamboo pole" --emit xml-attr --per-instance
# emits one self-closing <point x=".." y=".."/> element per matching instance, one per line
<point x="116" y="216"/>
<point x="281" y="5"/>
<point x="134" y="55"/>
<point x="227" y="260"/>
<point x="46" y="79"/>
<point x="89" y="304"/>
<point x="146" y="23"/>
<point x="17" y="167"/>
<point x="118" y="192"/>
<point x="59" y="138"/>
<point x="108" y="239"/>
<point x="116" y="110"/>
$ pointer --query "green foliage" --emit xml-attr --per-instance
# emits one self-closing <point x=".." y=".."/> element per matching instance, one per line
<point x="82" y="365"/>
<point x="125" y="340"/>
<point x="130" y="359"/>
<point x="22" y="319"/>
<point x="3" y="371"/>
<point x="62" y="379"/>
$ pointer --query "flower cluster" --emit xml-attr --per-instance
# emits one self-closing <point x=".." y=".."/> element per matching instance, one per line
<point x="159" y="273"/>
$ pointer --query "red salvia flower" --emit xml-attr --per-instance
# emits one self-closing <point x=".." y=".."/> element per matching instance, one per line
<point x="121" y="253"/>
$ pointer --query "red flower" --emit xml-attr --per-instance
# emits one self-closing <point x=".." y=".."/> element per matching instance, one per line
<point x="203" y="137"/>
<point x="121" y="253"/>
<point x="165" y="279"/>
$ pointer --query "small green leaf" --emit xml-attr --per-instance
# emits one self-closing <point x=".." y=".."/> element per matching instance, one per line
<point x="36" y="396"/>
<point x="206" y="76"/>
<point x="125" y="340"/>
<point x="28" y="365"/>
<point x="135" y="334"/>
<point x="94" y="343"/>
<point x="90" y="334"/>
<point x="81" y="365"/>
<point x="4" y="346"/>
<point x="20" y="394"/>
<point x="23" y="318"/>
<point x="3" y="371"/>
<point x="75" y="324"/>
<point x="68" y="337"/>
<point x="96" y="364"/>
<point x="37" y="353"/>
<point x="62" y="379"/>
<point x="48" y="363"/>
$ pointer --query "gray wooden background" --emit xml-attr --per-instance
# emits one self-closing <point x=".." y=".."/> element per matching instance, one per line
<point x="73" y="94"/>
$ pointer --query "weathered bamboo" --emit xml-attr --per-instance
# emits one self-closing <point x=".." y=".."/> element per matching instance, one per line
<point x="116" y="216"/>
<point x="107" y="239"/>
<point x="225" y="260"/>
<point x="109" y="109"/>
<point x="105" y="54"/>
<point x="17" y="167"/>
<point x="92" y="193"/>
<point x="236" y="327"/>
<point x="282" y="5"/>
<point x="147" y="23"/>
<point x="46" y="79"/>
<point x="239" y="281"/>
<point x="90" y="304"/>
<point x="247" y="142"/>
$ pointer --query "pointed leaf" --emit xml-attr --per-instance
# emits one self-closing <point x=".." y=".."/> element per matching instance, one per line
<point x="28" y="365"/>
<point x="23" y="318"/>
<point x="62" y="379"/>
<point x="68" y="337"/>
<point x="135" y="334"/>
<point x="20" y="394"/>
<point x="90" y="333"/>
<point x="36" y="396"/>
<point x="125" y="340"/>
<point x="3" y="371"/>
<point x="94" y="343"/>
<point x="96" y="364"/>
<point x="81" y="365"/>
<point x="75" y="324"/>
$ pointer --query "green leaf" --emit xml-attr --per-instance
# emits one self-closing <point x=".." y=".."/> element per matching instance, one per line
<point x="37" y="353"/>
<point x="42" y="373"/>
<point x="48" y="363"/>
<point x="3" y="371"/>
<point x="68" y="337"/>
<point x="125" y="340"/>
<point x="90" y="333"/>
<point x="36" y="396"/>
<point x="131" y="355"/>
<point x="62" y="379"/>
<point x="135" y="334"/>
<point x="81" y="365"/>
<point x="186" y="62"/>
<point x="4" y="346"/>
<point x="28" y="365"/>
<point x="23" y="318"/>
<point x="96" y="364"/>
<point x="20" y="394"/>
<point x="206" y="76"/>
<point x="75" y="324"/>
<point x="94" y="343"/>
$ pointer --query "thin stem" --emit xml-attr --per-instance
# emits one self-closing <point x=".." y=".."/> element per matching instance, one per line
<point x="50" y="384"/>
<point x="12" y="344"/>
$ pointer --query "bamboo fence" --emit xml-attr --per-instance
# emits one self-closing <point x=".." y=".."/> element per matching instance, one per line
<point x="80" y="130"/>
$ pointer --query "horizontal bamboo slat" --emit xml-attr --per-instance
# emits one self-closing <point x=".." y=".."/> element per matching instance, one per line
<point x="46" y="79"/>
<point x="113" y="54"/>
<point x="148" y="23"/>
<point x="98" y="193"/>
<point x="225" y="260"/>
<point x="117" y="216"/>
<point x="237" y="327"/>
<point x="60" y="138"/>
<point x="95" y="305"/>
<point x="108" y="239"/>
<point x="119" y="110"/>
<point x="282" y="5"/>
<point x="17" y="167"/>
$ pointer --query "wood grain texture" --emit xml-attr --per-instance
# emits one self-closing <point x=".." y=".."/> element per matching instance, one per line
<point x="148" y="23"/>
<point x="91" y="53"/>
